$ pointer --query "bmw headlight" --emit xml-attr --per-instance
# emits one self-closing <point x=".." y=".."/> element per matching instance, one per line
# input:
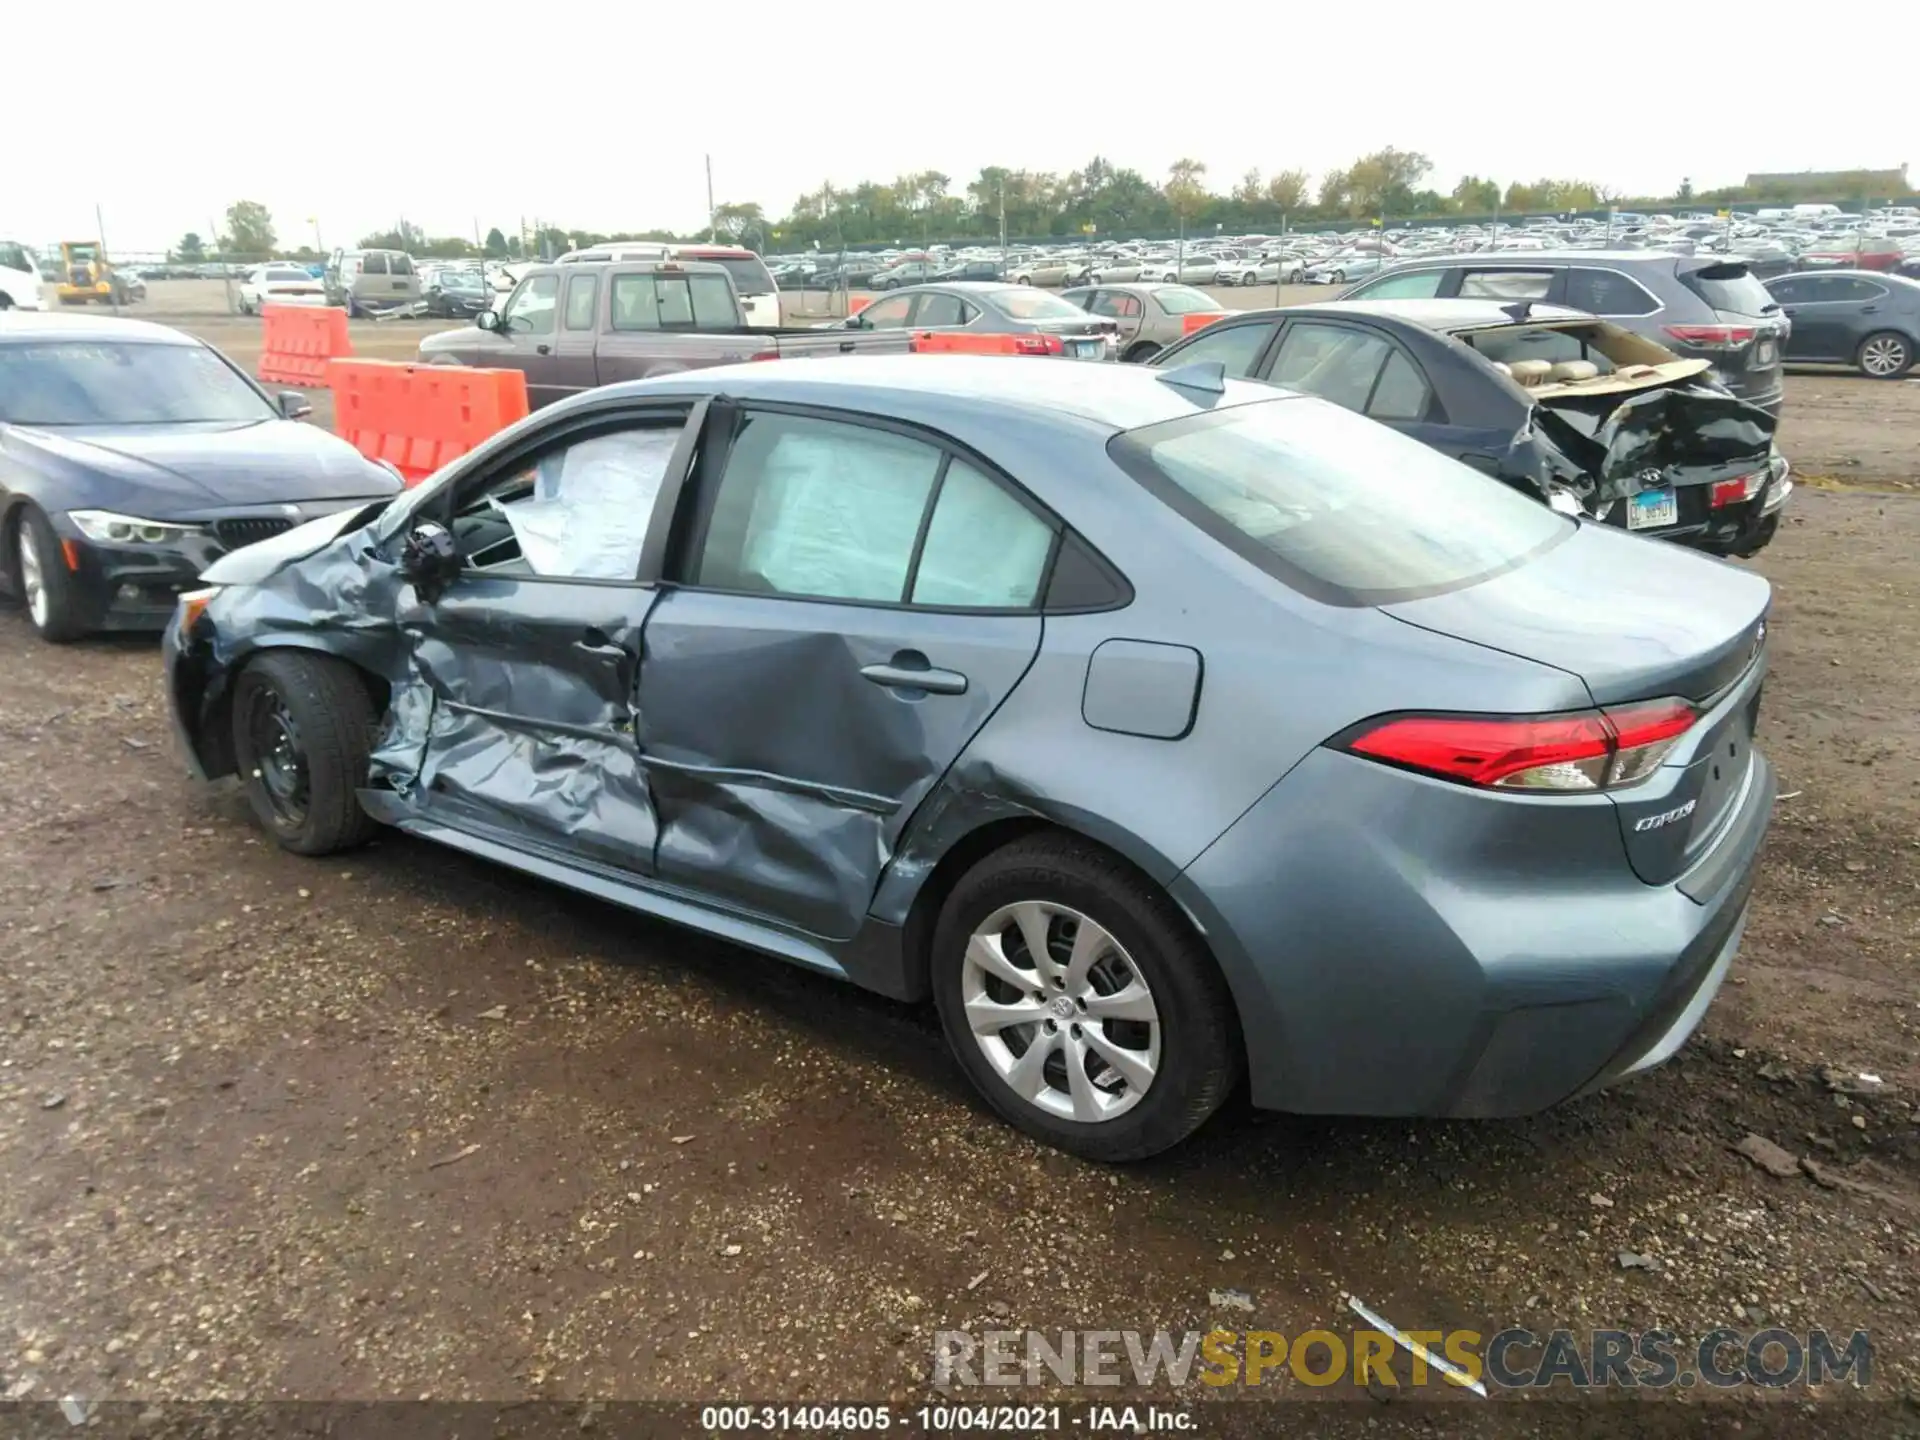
<point x="109" y="528"/>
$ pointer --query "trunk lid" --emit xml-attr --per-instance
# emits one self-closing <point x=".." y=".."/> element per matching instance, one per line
<point x="1636" y="622"/>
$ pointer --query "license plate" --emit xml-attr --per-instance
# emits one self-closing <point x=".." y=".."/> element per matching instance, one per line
<point x="1652" y="508"/>
<point x="1089" y="349"/>
<point x="1764" y="353"/>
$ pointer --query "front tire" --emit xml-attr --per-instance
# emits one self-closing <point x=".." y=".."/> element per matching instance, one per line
<point x="303" y="728"/>
<point x="46" y="585"/>
<point x="1080" y="1002"/>
<point x="1884" y="355"/>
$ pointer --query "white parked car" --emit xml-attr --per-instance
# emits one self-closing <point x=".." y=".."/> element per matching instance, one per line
<point x="280" y="285"/>
<point x="19" y="278"/>
<point x="1194" y="270"/>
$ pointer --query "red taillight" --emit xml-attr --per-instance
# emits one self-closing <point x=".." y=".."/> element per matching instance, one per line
<point x="1038" y="345"/>
<point x="764" y="355"/>
<point x="1739" y="489"/>
<point x="1713" y="337"/>
<point x="1590" y="750"/>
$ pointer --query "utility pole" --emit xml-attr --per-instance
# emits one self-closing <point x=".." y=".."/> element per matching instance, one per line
<point x="1003" y="229"/>
<point x="713" y="232"/>
<point x="100" y="229"/>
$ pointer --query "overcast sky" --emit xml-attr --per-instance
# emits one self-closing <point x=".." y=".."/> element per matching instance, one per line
<point x="597" y="118"/>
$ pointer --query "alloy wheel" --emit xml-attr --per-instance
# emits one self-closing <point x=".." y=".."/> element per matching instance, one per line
<point x="1884" y="355"/>
<point x="33" y="582"/>
<point x="1061" y="1011"/>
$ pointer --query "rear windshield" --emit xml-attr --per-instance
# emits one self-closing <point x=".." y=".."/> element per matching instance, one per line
<point x="1336" y="505"/>
<point x="1731" y="289"/>
<point x="748" y="272"/>
<point x="1025" y="304"/>
<point x="1185" y="300"/>
<point x="88" y="383"/>
<point x="297" y="277"/>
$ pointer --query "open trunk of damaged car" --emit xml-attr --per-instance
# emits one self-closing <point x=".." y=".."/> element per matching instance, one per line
<point x="1645" y="440"/>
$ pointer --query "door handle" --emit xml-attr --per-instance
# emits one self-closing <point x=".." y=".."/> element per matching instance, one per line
<point x="916" y="677"/>
<point x="1869" y="309"/>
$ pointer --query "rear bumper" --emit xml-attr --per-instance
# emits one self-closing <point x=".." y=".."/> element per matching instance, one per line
<point x="1393" y="952"/>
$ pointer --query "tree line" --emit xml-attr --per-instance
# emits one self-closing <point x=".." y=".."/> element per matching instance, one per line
<point x="1098" y="199"/>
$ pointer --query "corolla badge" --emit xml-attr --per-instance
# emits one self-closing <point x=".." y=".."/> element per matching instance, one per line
<point x="1666" y="817"/>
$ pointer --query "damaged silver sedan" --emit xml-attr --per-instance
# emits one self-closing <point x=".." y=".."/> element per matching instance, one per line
<point x="1161" y="729"/>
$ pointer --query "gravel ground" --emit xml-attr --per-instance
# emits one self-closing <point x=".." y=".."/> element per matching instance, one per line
<point x="400" y="1124"/>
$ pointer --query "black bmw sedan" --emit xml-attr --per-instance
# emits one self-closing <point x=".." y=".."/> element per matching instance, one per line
<point x="132" y="456"/>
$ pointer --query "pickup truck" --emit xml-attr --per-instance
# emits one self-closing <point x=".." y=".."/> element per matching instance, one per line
<point x="572" y="327"/>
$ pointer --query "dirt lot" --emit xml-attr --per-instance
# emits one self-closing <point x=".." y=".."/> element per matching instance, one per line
<point x="402" y="1124"/>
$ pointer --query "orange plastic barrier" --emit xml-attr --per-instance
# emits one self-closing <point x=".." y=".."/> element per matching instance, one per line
<point x="960" y="342"/>
<point x="300" y="340"/>
<point x="857" y="303"/>
<point x="418" y="417"/>
<point x="1200" y="320"/>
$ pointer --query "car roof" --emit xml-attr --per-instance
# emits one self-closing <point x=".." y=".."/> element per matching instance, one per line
<point x="945" y="391"/>
<point x="25" y="325"/>
<point x="1552" y="257"/>
<point x="1445" y="316"/>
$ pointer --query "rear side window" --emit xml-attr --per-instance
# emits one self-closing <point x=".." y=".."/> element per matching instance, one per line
<point x="821" y="509"/>
<point x="749" y="273"/>
<point x="581" y="290"/>
<point x="940" y="308"/>
<point x="1506" y="284"/>
<point x="1335" y="362"/>
<point x="1334" y="505"/>
<point x="1731" y="289"/>
<point x="1237" y="347"/>
<point x="1607" y="292"/>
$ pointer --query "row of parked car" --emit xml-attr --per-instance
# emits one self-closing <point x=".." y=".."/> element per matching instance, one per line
<point x="1169" y="733"/>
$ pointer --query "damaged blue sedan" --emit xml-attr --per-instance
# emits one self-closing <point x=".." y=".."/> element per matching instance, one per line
<point x="1164" y="729"/>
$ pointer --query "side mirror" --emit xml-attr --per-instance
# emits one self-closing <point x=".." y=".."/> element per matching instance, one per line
<point x="294" y="405"/>
<point x="487" y="320"/>
<point x="430" y="560"/>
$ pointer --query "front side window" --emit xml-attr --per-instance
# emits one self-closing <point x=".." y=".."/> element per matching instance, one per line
<point x="1336" y="506"/>
<point x="578" y="512"/>
<point x="1505" y="284"/>
<point x="1236" y="347"/>
<point x="530" y="308"/>
<point x="888" y="314"/>
<point x="90" y="383"/>
<point x="14" y="257"/>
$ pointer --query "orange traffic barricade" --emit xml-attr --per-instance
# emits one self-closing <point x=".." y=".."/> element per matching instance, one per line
<point x="418" y="417"/>
<point x="300" y="340"/>
<point x="966" y="342"/>
<point x="857" y="303"/>
<point x="1200" y="319"/>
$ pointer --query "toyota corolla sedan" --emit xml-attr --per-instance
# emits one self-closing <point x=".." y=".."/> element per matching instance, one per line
<point x="1162" y="729"/>
<point x="133" y="456"/>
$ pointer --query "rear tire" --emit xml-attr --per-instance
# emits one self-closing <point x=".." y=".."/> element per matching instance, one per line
<point x="1113" y="941"/>
<point x="1141" y="353"/>
<point x="46" y="586"/>
<point x="303" y="727"/>
<point x="1884" y="355"/>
